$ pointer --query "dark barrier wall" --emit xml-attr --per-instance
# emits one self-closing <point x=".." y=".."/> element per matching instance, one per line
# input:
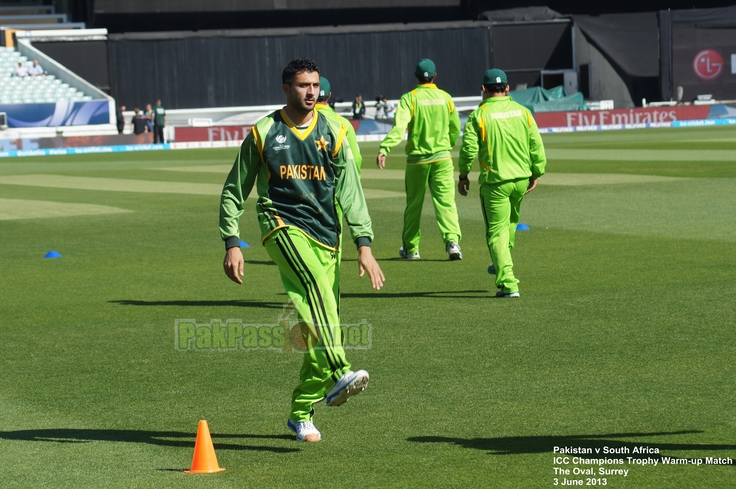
<point x="203" y="71"/>
<point x="524" y="50"/>
<point x="178" y="15"/>
<point x="634" y="55"/>
<point x="87" y="59"/>
<point x="168" y="6"/>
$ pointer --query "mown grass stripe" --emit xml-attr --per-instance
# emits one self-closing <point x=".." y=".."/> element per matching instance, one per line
<point x="639" y="154"/>
<point x="112" y="184"/>
<point x="35" y="209"/>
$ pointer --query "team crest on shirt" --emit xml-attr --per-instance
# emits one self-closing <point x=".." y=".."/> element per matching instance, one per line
<point x="281" y="139"/>
<point x="321" y="143"/>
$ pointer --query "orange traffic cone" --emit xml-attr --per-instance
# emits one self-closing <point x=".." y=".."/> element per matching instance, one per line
<point x="204" y="460"/>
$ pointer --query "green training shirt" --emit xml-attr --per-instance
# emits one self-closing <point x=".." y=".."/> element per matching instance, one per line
<point x="352" y="138"/>
<point x="506" y="139"/>
<point x="299" y="175"/>
<point x="433" y="123"/>
<point x="159" y="114"/>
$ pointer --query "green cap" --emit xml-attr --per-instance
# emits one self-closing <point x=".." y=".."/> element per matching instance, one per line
<point x="324" y="87"/>
<point x="425" y="68"/>
<point x="494" y="76"/>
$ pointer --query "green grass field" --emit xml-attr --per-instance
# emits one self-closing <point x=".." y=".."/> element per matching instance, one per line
<point x="624" y="335"/>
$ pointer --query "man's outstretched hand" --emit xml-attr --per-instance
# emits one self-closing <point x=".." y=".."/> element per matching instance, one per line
<point x="366" y="263"/>
<point x="234" y="264"/>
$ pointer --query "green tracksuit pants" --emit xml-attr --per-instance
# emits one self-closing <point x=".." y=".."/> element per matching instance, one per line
<point x="501" y="203"/>
<point x="439" y="176"/>
<point x="311" y="275"/>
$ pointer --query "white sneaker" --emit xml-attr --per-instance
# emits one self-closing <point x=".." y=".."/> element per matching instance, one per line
<point x="408" y="256"/>
<point x="305" y="431"/>
<point x="454" y="251"/>
<point x="350" y="384"/>
<point x="507" y="295"/>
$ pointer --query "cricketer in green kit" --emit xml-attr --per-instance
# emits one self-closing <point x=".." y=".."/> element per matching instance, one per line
<point x="302" y="166"/>
<point x="506" y="139"/>
<point x="325" y="92"/>
<point x="434" y="127"/>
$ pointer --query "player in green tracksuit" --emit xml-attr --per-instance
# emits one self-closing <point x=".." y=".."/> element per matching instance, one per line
<point x="302" y="166"/>
<point x="434" y="127"/>
<point x="506" y="139"/>
<point x="322" y="107"/>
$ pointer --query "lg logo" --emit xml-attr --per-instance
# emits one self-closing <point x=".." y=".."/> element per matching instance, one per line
<point x="708" y="65"/>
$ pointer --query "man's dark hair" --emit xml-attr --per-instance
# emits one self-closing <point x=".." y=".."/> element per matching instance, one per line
<point x="299" y="65"/>
<point x="425" y="79"/>
<point x="496" y="87"/>
<point x="322" y="99"/>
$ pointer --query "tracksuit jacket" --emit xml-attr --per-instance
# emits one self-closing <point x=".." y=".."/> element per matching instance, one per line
<point x="506" y="139"/>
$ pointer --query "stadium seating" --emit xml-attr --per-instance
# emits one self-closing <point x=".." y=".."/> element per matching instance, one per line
<point x="31" y="90"/>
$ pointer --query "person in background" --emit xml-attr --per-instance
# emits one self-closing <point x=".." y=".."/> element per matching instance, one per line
<point x="505" y="137"/>
<point x="385" y="110"/>
<point x="36" y="69"/>
<point x="121" y="119"/>
<point x="148" y="114"/>
<point x="358" y="108"/>
<point x="21" y="70"/>
<point x="434" y="127"/>
<point x="323" y="107"/>
<point x="389" y="110"/>
<point x="380" y="108"/>
<point x="159" y="121"/>
<point x="139" y="122"/>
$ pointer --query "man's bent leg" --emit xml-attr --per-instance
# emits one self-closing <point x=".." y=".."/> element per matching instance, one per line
<point x="442" y="189"/>
<point x="497" y="212"/>
<point x="308" y="272"/>
<point x="415" y="182"/>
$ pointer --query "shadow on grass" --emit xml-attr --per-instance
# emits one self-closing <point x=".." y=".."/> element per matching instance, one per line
<point x="259" y="262"/>
<point x="256" y="304"/>
<point x="161" y="438"/>
<point x="439" y="294"/>
<point x="513" y="445"/>
<point x="398" y="258"/>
